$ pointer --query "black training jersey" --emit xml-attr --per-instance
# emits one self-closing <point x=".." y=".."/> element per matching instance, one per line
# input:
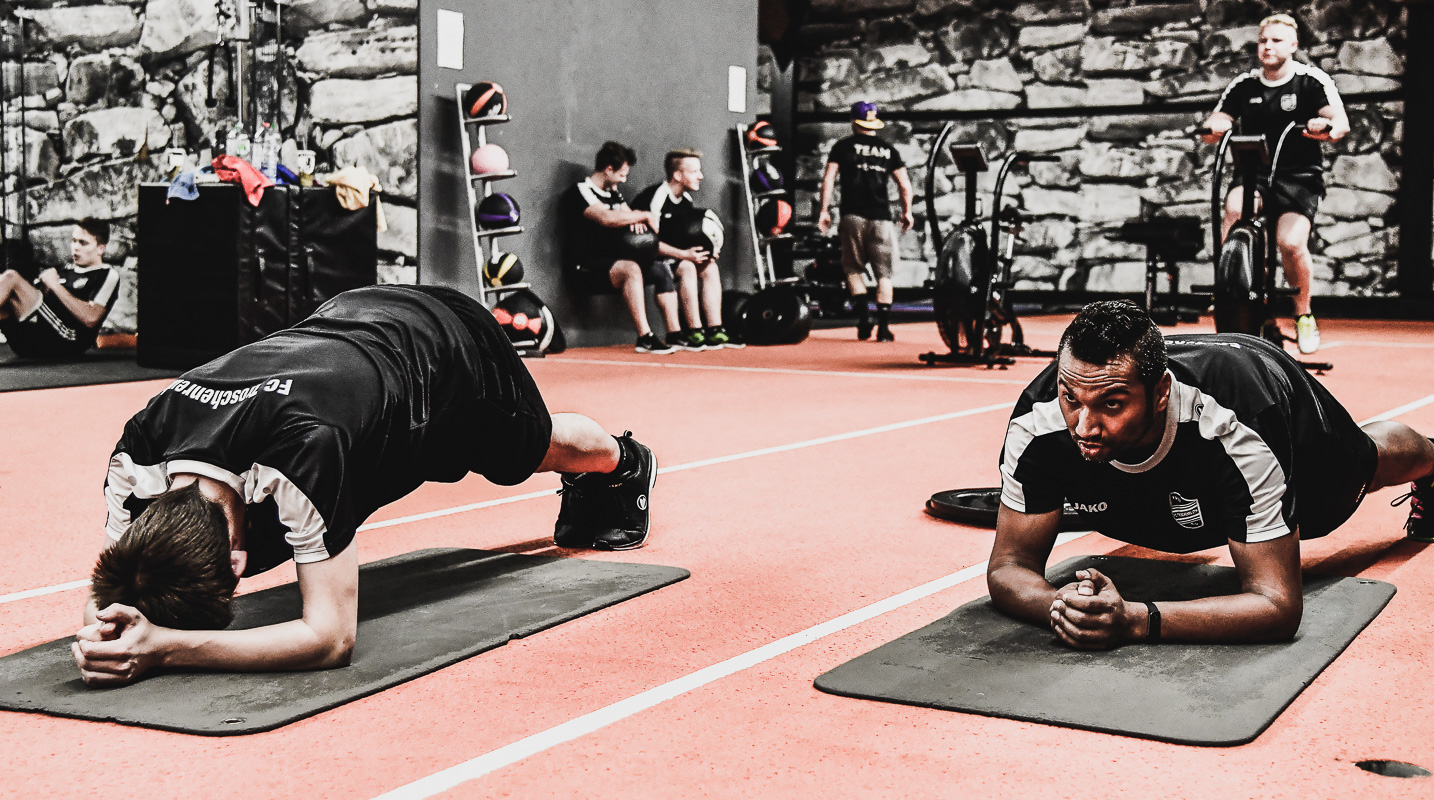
<point x="317" y="426"/>
<point x="1246" y="428"/>
<point x="584" y="237"/>
<point x="659" y="200"/>
<point x="98" y="284"/>
<point x="1261" y="107"/>
<point x="864" y="164"/>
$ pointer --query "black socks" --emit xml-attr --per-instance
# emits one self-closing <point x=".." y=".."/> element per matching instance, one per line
<point x="883" y="315"/>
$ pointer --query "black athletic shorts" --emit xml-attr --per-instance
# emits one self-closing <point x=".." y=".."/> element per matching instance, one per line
<point x="513" y="429"/>
<point x="51" y="331"/>
<point x="657" y="273"/>
<point x="1290" y="193"/>
<point x="1330" y="488"/>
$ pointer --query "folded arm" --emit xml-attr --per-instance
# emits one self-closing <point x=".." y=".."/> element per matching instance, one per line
<point x="118" y="644"/>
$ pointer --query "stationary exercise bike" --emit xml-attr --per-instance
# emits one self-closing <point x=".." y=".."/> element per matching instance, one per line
<point x="971" y="282"/>
<point x="1247" y="261"/>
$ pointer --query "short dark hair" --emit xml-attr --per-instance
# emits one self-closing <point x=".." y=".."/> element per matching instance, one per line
<point x="97" y="228"/>
<point x="172" y="564"/>
<point x="613" y="154"/>
<point x="673" y="159"/>
<point x="1108" y="330"/>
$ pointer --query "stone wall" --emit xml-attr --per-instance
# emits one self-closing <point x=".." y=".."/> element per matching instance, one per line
<point x="974" y="55"/>
<point x="109" y="86"/>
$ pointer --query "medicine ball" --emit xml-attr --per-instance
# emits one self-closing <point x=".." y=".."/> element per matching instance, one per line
<point x="773" y="216"/>
<point x="526" y="319"/>
<point x="498" y="210"/>
<point x="485" y="99"/>
<point x="488" y="159"/>
<point x="503" y="269"/>
<point x="765" y="175"/>
<point x="713" y="234"/>
<point x="776" y="315"/>
<point x="762" y="135"/>
<point x="639" y="247"/>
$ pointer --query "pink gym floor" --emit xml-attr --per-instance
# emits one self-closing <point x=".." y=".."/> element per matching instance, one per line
<point x="793" y="486"/>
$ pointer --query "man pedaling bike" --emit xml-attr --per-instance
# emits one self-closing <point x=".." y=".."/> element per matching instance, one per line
<point x="1265" y="101"/>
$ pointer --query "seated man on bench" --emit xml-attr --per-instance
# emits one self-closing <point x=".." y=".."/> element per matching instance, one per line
<point x="59" y="315"/>
<point x="282" y="448"/>
<point x="1182" y="445"/>
<point x="671" y="202"/>
<point x="596" y="223"/>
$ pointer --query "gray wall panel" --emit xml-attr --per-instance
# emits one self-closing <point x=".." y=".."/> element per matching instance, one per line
<point x="651" y="74"/>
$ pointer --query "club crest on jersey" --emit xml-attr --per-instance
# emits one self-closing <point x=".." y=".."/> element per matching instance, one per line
<point x="1287" y="102"/>
<point x="1186" y="512"/>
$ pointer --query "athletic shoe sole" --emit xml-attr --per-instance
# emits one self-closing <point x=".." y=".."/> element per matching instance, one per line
<point x="667" y="352"/>
<point x="646" y="498"/>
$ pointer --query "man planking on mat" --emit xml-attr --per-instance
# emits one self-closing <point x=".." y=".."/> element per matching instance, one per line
<point x="282" y="448"/>
<point x="1181" y="445"/>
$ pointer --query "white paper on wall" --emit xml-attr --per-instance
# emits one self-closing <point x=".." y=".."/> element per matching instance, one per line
<point x="450" y="39"/>
<point x="737" y="89"/>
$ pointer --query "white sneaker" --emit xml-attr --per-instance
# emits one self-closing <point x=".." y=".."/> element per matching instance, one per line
<point x="1307" y="333"/>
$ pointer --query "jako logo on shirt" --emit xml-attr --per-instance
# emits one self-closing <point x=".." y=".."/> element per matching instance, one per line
<point x="1091" y="508"/>
<point x="1186" y="512"/>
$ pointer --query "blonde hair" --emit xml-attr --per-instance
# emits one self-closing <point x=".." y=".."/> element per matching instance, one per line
<point x="1281" y="19"/>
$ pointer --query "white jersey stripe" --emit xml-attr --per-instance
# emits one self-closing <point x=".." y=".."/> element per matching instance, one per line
<point x="1220" y="104"/>
<point x="1043" y="418"/>
<point x="1253" y="458"/>
<point x="1331" y="92"/>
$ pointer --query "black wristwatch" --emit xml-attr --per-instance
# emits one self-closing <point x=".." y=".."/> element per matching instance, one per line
<point x="1152" y="631"/>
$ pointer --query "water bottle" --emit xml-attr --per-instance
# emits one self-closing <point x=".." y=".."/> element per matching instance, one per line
<point x="237" y="144"/>
<point x="268" y="145"/>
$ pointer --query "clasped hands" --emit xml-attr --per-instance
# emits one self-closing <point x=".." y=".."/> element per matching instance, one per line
<point x="117" y="649"/>
<point x="1090" y="614"/>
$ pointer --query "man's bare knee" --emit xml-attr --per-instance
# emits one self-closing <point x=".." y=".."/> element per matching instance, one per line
<point x="623" y="272"/>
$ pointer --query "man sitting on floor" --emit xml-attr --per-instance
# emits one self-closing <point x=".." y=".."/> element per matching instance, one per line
<point x="282" y="448"/>
<point x="1182" y="445"/>
<point x="595" y="217"/>
<point x="59" y="315"/>
<point x="671" y="203"/>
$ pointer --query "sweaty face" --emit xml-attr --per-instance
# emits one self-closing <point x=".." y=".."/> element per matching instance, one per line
<point x="1107" y="409"/>
<point x="689" y="174"/>
<point x="85" y="250"/>
<point x="1276" y="44"/>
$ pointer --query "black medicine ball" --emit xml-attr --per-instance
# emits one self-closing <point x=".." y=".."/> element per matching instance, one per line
<point x="503" y="269"/>
<point x="765" y="175"/>
<point x="639" y="247"/>
<point x="498" y="210"/>
<point x="485" y="99"/>
<point x="526" y="320"/>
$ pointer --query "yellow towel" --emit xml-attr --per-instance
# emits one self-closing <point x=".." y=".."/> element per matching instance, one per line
<point x="352" y="184"/>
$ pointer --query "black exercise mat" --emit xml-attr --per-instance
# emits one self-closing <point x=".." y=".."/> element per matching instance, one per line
<point x="980" y="661"/>
<point x="417" y="613"/>
<point x="95" y="367"/>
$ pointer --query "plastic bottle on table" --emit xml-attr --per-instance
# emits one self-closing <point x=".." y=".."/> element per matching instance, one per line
<point x="267" y="154"/>
<point x="237" y="144"/>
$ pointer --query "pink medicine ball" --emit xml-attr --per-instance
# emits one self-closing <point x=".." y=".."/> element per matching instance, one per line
<point x="488" y="159"/>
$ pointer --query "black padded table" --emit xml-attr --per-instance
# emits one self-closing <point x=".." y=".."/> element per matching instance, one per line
<point x="980" y="661"/>
<point x="418" y="612"/>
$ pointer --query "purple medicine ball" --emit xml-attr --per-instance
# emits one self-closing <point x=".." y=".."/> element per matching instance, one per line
<point x="498" y="210"/>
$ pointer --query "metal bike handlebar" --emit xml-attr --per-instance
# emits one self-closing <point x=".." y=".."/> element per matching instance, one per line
<point x="931" y="185"/>
<point x="1217" y="198"/>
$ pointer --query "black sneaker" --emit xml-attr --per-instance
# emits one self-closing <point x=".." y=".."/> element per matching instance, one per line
<point x="1420" y="525"/>
<point x="863" y="329"/>
<point x="693" y="340"/>
<point x="649" y="343"/>
<point x="607" y="511"/>
<point x="884" y="334"/>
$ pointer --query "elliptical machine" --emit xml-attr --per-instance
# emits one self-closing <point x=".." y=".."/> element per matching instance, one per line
<point x="970" y="284"/>
<point x="1245" y="263"/>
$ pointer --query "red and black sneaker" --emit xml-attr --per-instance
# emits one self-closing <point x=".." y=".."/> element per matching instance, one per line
<point x="1420" y="525"/>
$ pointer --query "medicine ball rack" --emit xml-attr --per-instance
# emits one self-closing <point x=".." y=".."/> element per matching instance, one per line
<point x="485" y="244"/>
<point x="761" y="242"/>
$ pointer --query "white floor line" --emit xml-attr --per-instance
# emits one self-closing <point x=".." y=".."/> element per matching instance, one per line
<point x="458" y="774"/>
<point x="914" y="375"/>
<point x="445" y="512"/>
<point x="474" y="768"/>
<point x="1392" y="345"/>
